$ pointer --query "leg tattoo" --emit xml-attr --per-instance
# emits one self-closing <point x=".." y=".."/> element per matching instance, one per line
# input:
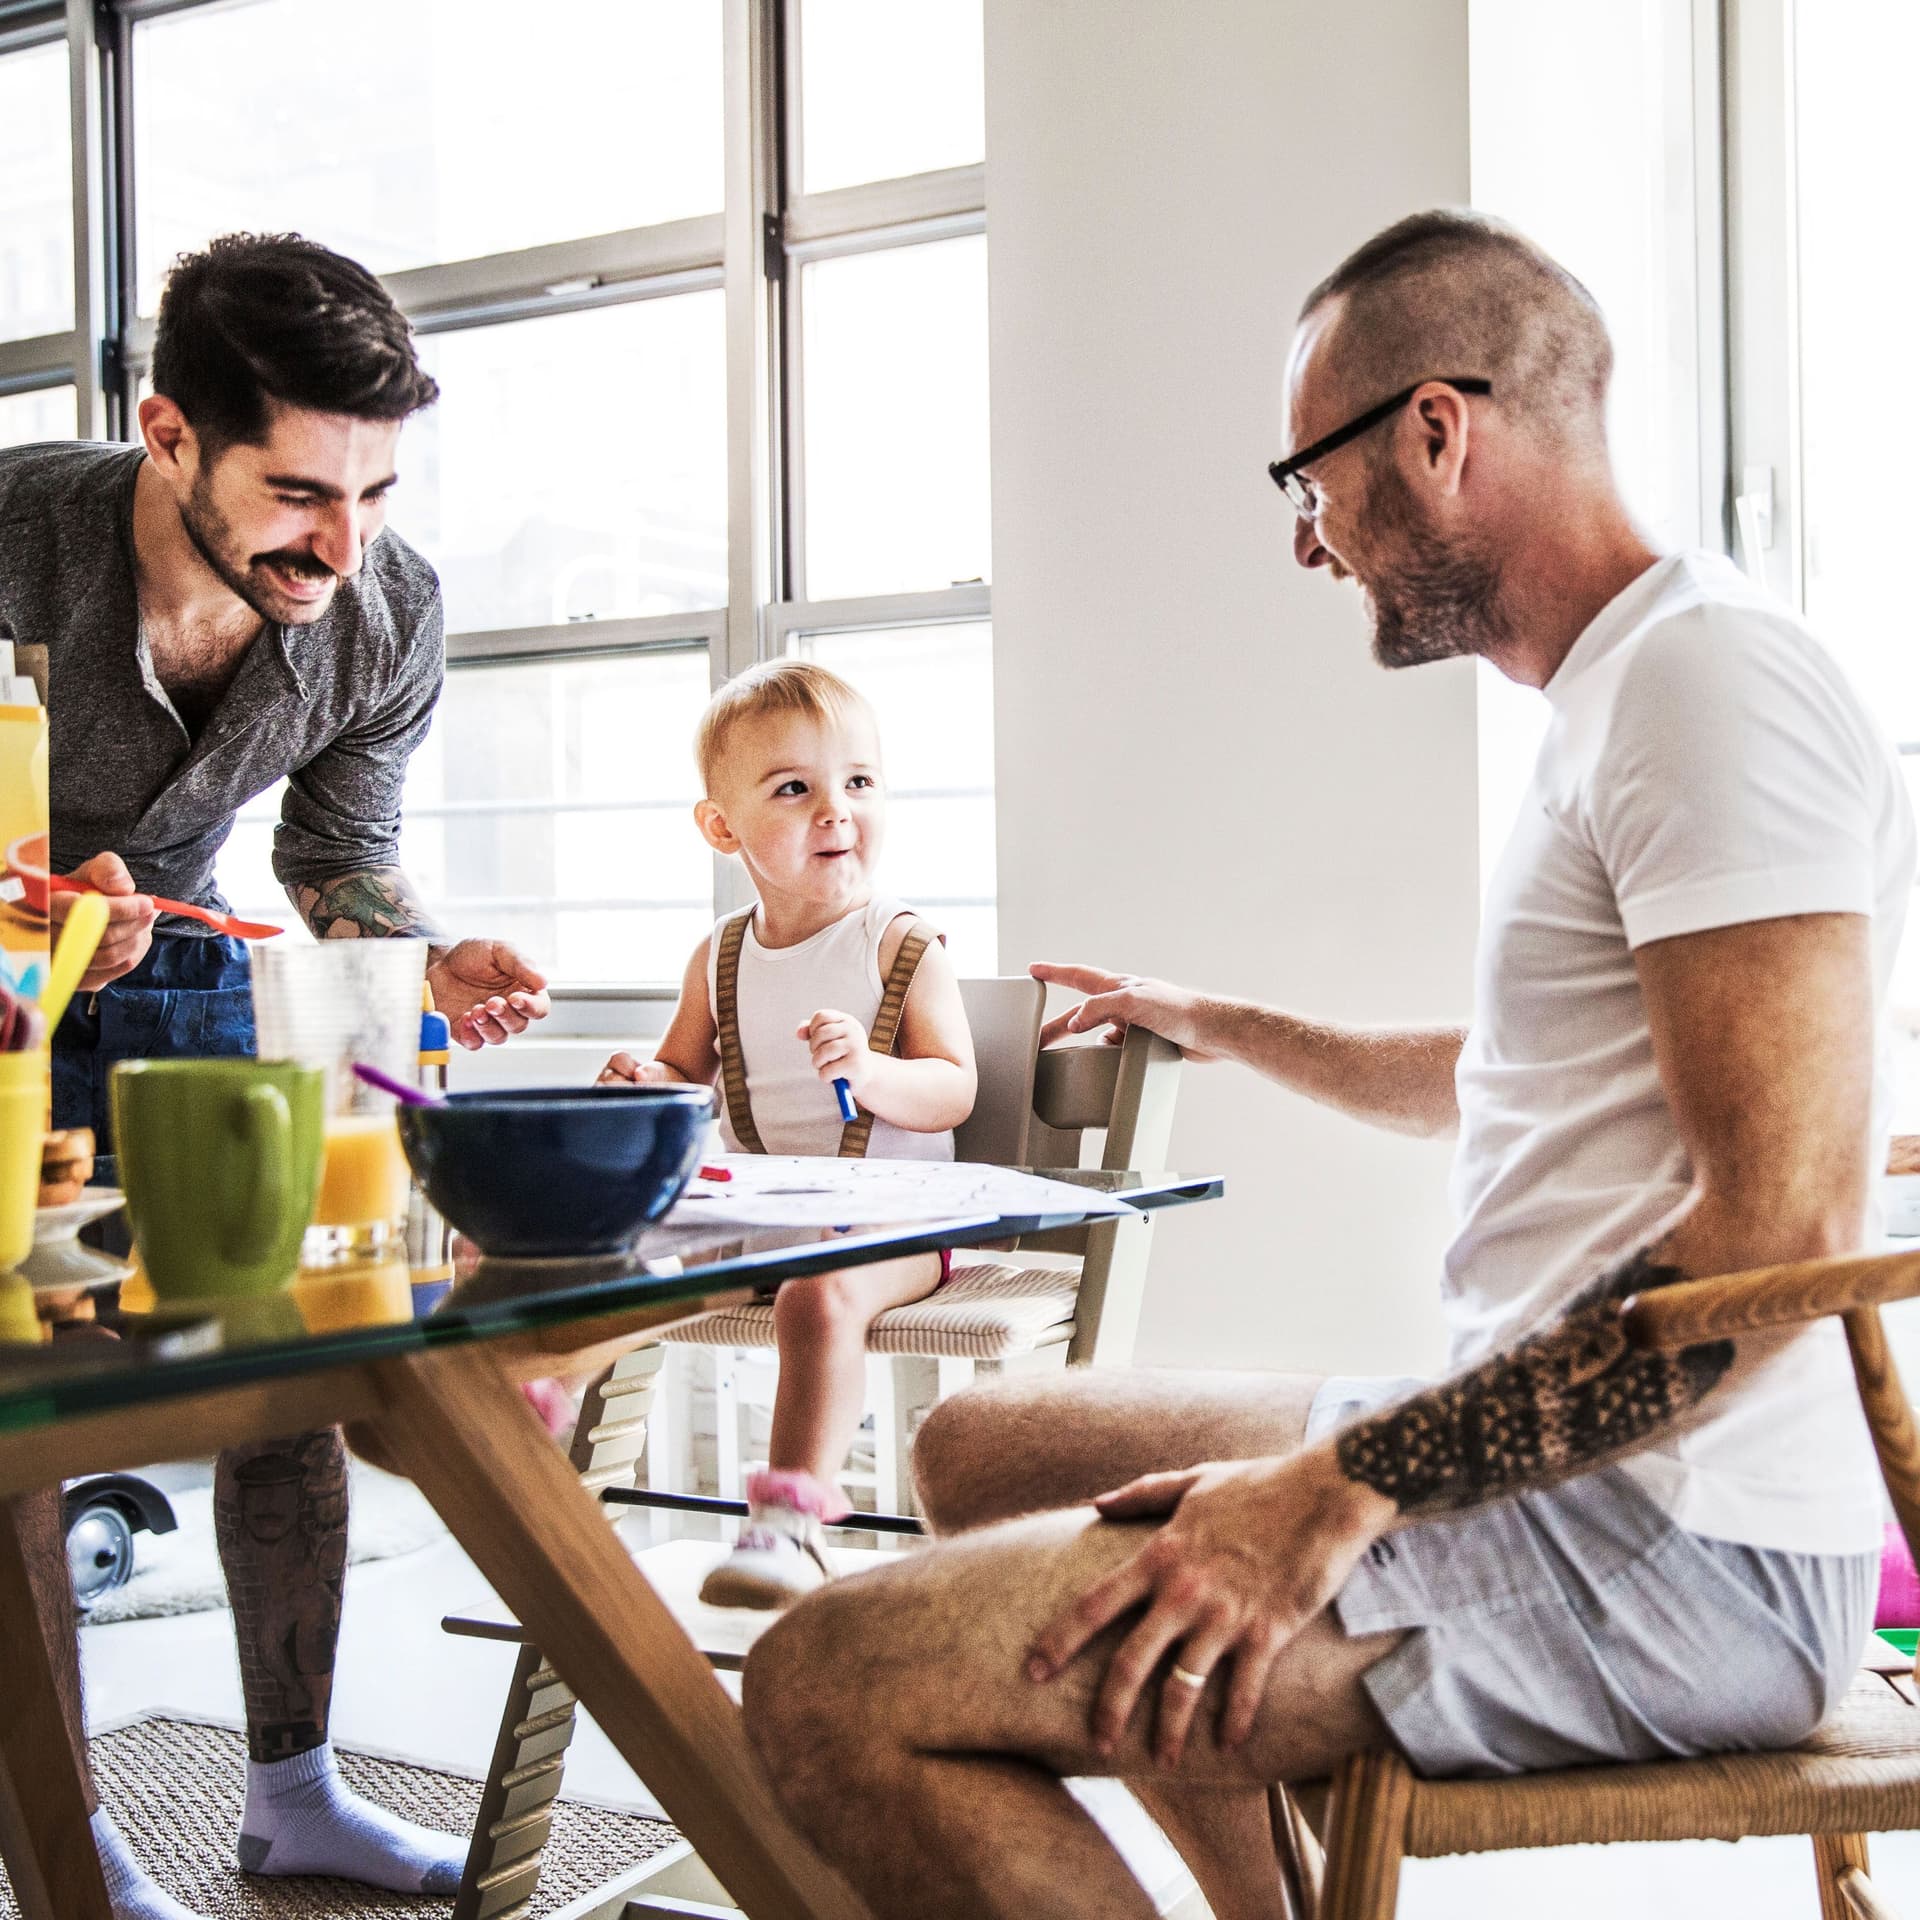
<point x="280" y="1516"/>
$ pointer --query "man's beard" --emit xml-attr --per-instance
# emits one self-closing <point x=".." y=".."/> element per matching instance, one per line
<point x="213" y="540"/>
<point x="1434" y="600"/>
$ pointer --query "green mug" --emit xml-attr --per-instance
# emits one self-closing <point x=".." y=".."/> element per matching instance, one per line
<point x="220" y="1160"/>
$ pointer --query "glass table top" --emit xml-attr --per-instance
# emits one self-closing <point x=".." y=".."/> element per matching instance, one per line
<point x="61" y="1355"/>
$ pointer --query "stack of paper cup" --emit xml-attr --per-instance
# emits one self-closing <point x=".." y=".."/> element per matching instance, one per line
<point x="332" y="1002"/>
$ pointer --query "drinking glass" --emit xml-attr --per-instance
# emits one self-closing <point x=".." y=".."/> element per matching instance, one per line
<point x="329" y="1005"/>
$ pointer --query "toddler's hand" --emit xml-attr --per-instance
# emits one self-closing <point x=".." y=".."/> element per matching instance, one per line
<point x="624" y="1070"/>
<point x="838" y="1043"/>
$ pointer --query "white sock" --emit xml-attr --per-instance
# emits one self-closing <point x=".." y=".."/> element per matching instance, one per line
<point x="135" y="1895"/>
<point x="301" y="1817"/>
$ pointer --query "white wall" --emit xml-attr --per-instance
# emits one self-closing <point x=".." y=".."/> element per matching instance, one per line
<point x="1201" y="772"/>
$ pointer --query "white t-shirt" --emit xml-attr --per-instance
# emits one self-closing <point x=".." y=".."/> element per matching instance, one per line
<point x="1706" y="764"/>
<point x="780" y="988"/>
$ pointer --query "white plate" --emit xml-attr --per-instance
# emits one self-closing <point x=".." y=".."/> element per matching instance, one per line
<point x="62" y="1223"/>
<point x="64" y="1265"/>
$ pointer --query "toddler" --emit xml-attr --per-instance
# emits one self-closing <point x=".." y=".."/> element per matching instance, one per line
<point x="822" y="979"/>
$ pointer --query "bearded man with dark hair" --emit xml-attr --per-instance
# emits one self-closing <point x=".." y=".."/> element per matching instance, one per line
<point x="212" y="610"/>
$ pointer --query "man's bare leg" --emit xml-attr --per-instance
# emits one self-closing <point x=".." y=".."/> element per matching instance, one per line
<point x="1040" y="1442"/>
<point x="280" y="1517"/>
<point x="1036" y="1442"/>
<point x="895" y="1716"/>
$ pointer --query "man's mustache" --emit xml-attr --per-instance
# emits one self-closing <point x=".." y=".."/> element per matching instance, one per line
<point x="303" y="565"/>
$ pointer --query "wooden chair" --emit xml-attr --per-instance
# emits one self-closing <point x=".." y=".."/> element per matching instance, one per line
<point x="1073" y="1297"/>
<point x="1082" y="1306"/>
<point x="1858" y="1774"/>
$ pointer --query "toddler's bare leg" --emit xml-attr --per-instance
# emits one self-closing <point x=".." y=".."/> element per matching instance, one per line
<point x="821" y="1323"/>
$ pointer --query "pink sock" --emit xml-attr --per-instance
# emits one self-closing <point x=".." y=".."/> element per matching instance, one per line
<point x="798" y="1492"/>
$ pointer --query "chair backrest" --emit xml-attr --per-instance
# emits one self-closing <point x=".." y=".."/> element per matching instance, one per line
<point x="1032" y="1107"/>
<point x="1004" y="1016"/>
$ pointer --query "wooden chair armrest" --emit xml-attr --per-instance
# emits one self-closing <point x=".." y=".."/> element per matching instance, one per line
<point x="1727" y="1304"/>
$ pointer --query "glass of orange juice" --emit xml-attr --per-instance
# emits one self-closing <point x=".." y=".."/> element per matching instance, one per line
<point x="330" y="1004"/>
<point x="364" y="1175"/>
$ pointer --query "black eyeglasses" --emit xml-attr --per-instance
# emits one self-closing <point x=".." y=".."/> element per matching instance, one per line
<point x="1302" y="495"/>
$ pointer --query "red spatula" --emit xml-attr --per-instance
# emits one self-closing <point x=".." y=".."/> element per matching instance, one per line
<point x="220" y="922"/>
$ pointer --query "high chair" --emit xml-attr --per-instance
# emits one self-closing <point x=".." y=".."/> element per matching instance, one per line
<point x="1074" y="1297"/>
<point x="1858" y="1774"/>
<point x="1071" y="1297"/>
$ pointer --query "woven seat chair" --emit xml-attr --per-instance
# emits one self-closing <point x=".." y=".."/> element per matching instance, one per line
<point x="1858" y="1774"/>
<point x="1072" y="1296"/>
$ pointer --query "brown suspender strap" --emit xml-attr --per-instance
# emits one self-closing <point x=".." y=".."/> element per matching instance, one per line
<point x="726" y="1020"/>
<point x="884" y="1035"/>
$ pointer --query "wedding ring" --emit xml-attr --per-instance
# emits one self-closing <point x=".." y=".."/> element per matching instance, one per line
<point x="1186" y="1679"/>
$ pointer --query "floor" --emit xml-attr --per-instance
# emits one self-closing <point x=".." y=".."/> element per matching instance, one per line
<point x="406" y="1688"/>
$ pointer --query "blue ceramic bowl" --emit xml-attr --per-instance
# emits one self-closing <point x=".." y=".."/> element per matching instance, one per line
<point x="545" y="1172"/>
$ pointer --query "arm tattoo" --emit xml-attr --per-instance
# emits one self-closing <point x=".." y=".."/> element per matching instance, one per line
<point x="1566" y="1398"/>
<point x="374" y="903"/>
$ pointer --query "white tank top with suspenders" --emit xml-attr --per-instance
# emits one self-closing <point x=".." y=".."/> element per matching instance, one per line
<point x="771" y="1100"/>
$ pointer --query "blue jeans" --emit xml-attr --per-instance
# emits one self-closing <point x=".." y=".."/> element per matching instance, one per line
<point x="187" y="999"/>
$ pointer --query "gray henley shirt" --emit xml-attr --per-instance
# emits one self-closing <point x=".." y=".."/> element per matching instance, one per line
<point x="337" y="707"/>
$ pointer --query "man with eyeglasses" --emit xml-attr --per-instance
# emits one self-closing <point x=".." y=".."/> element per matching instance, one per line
<point x="1676" y="1066"/>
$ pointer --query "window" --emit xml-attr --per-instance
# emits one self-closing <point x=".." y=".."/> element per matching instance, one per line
<point x="887" y="90"/>
<point x="882" y="342"/>
<point x="1616" y="178"/>
<point x="547" y="492"/>
<point x="1820" y="292"/>
<point x="705" y="399"/>
<point x="36" y="193"/>
<point x="37" y="282"/>
<point x="45" y="413"/>
<point x="423" y="131"/>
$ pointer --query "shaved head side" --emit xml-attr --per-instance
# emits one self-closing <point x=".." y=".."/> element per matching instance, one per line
<point x="1456" y="292"/>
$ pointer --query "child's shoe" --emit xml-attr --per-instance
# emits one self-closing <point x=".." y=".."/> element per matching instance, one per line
<point x="781" y="1554"/>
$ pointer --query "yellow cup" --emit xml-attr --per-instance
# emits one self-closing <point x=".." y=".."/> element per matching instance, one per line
<point x="23" y="1110"/>
<point x="19" y="1318"/>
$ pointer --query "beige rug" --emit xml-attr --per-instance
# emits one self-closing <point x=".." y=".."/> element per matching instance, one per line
<point x="174" y="1787"/>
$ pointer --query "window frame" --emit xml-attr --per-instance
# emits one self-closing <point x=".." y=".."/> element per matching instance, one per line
<point x="752" y="251"/>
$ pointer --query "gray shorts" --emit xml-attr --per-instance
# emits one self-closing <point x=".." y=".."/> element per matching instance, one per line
<point x="1580" y="1625"/>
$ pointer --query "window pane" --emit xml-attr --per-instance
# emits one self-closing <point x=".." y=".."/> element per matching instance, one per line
<point x="551" y="805"/>
<point x="932" y="688"/>
<point x="888" y="89"/>
<point x="405" y="132"/>
<point x="36" y="194"/>
<point x="45" y="414"/>
<point x="1602" y="175"/>
<point x="1858" y="287"/>
<point x="896" y="419"/>
<point x="574" y="467"/>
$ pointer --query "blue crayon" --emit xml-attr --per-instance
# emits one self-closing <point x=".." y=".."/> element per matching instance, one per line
<point x="848" y="1111"/>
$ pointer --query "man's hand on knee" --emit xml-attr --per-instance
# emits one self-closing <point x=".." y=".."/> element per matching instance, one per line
<point x="1251" y="1551"/>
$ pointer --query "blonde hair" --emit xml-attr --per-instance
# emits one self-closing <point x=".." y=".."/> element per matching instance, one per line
<point x="774" y="686"/>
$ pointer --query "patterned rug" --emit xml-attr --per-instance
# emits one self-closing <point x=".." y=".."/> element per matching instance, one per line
<point x="174" y="1787"/>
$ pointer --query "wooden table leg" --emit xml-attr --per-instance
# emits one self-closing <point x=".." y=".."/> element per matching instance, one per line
<point x="44" y="1836"/>
<point x="473" y="1446"/>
